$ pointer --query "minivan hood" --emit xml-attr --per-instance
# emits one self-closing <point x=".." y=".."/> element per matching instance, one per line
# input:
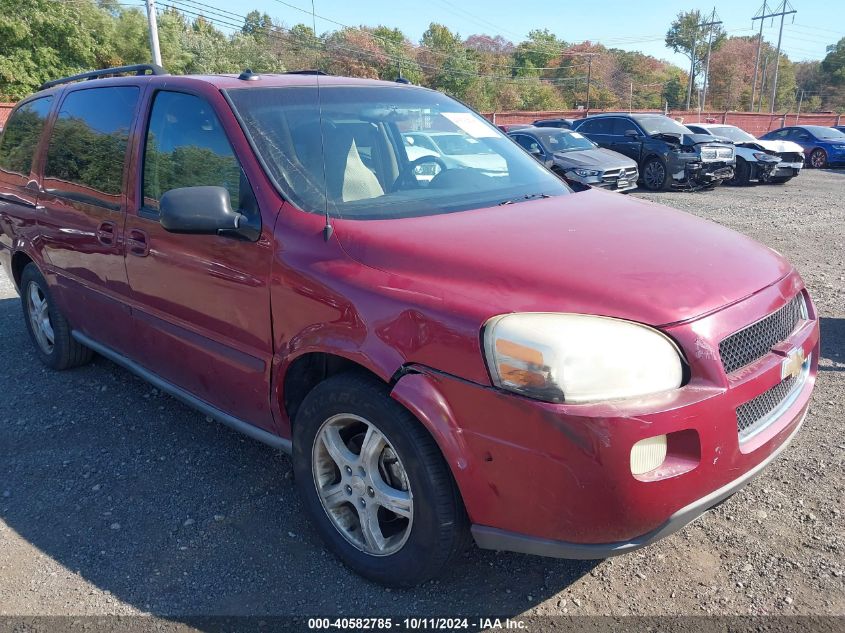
<point x="592" y="252"/>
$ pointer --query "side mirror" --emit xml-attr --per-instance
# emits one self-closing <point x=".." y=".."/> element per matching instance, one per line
<point x="535" y="151"/>
<point x="632" y="134"/>
<point x="202" y="210"/>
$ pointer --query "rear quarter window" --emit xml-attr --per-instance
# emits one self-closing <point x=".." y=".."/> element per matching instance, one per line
<point x="21" y="135"/>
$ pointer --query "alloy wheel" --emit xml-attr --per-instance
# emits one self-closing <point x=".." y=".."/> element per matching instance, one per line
<point x="818" y="158"/>
<point x="362" y="485"/>
<point x="38" y="309"/>
<point x="654" y="175"/>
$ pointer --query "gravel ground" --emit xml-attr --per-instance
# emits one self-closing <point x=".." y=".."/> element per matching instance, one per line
<point x="116" y="499"/>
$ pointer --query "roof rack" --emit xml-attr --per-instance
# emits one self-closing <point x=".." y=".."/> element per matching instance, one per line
<point x="305" y="72"/>
<point x="138" y="69"/>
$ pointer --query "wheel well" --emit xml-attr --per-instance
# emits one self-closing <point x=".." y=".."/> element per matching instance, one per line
<point x="19" y="262"/>
<point x="309" y="370"/>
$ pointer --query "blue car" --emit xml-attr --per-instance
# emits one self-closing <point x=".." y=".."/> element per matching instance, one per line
<point x="823" y="146"/>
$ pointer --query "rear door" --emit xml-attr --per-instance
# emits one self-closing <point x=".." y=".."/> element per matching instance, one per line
<point x="598" y="130"/>
<point x="83" y="196"/>
<point x="18" y="185"/>
<point x="201" y="302"/>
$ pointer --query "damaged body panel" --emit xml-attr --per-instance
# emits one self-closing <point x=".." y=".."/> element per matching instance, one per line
<point x="668" y="154"/>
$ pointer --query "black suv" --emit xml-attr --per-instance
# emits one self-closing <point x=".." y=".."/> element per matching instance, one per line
<point x="667" y="152"/>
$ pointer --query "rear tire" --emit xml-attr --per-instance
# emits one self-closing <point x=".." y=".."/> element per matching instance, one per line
<point x="347" y="481"/>
<point x="47" y="326"/>
<point x="742" y="173"/>
<point x="655" y="175"/>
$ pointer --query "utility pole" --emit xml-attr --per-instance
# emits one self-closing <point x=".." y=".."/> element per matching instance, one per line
<point x="589" y="77"/>
<point x="784" y="9"/>
<point x="800" y="101"/>
<point x="762" y="83"/>
<point x="711" y="24"/>
<point x="691" y="68"/>
<point x="151" y="18"/>
<point x="758" y="16"/>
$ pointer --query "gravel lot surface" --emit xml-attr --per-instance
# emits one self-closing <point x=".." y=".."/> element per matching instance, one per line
<point x="116" y="499"/>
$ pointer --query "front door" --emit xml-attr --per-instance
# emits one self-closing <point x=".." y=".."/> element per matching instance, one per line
<point x="201" y="302"/>
<point x="83" y="195"/>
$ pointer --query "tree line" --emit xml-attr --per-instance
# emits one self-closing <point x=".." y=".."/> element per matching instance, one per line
<point x="45" y="39"/>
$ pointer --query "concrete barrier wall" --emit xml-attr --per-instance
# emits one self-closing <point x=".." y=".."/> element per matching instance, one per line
<point x="752" y="122"/>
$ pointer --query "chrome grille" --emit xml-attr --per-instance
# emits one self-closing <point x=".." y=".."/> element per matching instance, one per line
<point x="755" y="415"/>
<point x="708" y="153"/>
<point x="755" y="341"/>
<point x="725" y="152"/>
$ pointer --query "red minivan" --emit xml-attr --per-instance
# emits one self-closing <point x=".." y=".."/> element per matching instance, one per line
<point x="446" y="348"/>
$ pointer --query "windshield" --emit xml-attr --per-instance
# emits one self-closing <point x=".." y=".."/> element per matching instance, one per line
<point x="819" y="131"/>
<point x="565" y="141"/>
<point x="377" y="152"/>
<point x="661" y="125"/>
<point x="733" y="133"/>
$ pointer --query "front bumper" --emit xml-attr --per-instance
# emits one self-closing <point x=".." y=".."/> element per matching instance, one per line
<point x="609" y="180"/>
<point x="787" y="170"/>
<point x="555" y="479"/>
<point x="492" y="538"/>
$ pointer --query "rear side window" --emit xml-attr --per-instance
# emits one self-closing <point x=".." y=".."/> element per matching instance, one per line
<point x="596" y="126"/>
<point x="20" y="139"/>
<point x="186" y="147"/>
<point x="87" y="151"/>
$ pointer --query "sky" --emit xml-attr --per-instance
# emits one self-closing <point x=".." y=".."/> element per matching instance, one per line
<point x="628" y="24"/>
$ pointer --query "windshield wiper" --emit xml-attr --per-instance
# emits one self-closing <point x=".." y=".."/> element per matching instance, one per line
<point x="530" y="196"/>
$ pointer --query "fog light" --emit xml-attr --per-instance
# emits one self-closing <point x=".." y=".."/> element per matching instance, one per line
<point x="648" y="454"/>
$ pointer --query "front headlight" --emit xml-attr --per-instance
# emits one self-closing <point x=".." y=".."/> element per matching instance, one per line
<point x="579" y="358"/>
<point x="585" y="173"/>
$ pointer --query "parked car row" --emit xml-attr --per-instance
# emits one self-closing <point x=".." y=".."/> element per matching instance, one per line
<point x="665" y="154"/>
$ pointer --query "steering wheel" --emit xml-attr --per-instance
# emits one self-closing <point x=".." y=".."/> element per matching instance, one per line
<point x="408" y="175"/>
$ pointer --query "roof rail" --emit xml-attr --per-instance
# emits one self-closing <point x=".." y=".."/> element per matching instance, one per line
<point x="305" y="72"/>
<point x="138" y="69"/>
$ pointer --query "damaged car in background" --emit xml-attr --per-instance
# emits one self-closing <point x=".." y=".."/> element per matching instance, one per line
<point x="756" y="159"/>
<point x="668" y="153"/>
<point x="577" y="159"/>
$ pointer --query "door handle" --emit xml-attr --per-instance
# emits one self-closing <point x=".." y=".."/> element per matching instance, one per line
<point x="138" y="243"/>
<point x="105" y="233"/>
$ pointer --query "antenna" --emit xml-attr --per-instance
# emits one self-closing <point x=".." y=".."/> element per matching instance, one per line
<point x="327" y="229"/>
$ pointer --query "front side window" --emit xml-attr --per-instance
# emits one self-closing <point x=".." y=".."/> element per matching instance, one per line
<point x="187" y="147"/>
<point x="87" y="151"/>
<point x="596" y="126"/>
<point x="347" y="150"/>
<point x="21" y="136"/>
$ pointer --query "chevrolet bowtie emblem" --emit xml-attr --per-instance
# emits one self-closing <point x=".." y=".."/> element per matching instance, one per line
<point x="792" y="364"/>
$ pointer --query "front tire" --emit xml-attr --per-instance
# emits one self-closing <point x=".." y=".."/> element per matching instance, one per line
<point x="742" y="173"/>
<point x="818" y="158"/>
<point x="655" y="175"/>
<point x="47" y="326"/>
<point x="375" y="483"/>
